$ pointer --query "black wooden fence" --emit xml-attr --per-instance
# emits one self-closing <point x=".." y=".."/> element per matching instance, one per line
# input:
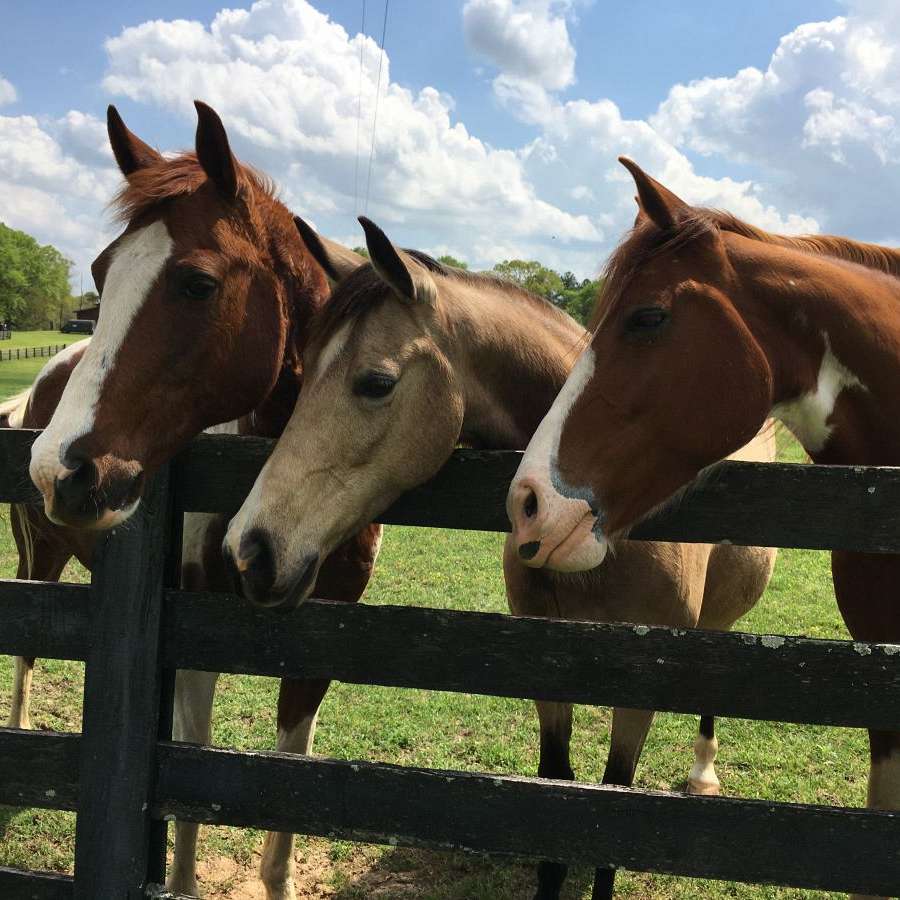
<point x="124" y="776"/>
<point x="31" y="352"/>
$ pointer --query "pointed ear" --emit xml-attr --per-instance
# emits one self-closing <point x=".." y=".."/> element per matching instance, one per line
<point x="130" y="151"/>
<point x="641" y="215"/>
<point x="658" y="203"/>
<point x="408" y="278"/>
<point x="336" y="260"/>
<point x="213" y="152"/>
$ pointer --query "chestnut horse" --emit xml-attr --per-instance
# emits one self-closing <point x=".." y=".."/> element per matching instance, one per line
<point x="410" y="359"/>
<point x="207" y="300"/>
<point x="706" y="327"/>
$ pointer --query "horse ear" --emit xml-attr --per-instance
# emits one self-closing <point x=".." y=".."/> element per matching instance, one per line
<point x="130" y="151"/>
<point x="656" y="202"/>
<point x="641" y="215"/>
<point x="407" y="277"/>
<point x="213" y="151"/>
<point x="336" y="260"/>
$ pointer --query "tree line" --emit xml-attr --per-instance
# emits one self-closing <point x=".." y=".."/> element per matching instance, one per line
<point x="34" y="282"/>
<point x="566" y="291"/>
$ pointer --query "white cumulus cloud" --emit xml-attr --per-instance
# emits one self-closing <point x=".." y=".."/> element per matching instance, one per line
<point x="7" y="92"/>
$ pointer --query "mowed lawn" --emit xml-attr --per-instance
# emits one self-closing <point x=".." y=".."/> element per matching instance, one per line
<point x="17" y="374"/>
<point x="461" y="570"/>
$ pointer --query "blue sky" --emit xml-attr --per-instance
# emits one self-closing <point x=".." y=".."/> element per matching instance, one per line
<point x="499" y="120"/>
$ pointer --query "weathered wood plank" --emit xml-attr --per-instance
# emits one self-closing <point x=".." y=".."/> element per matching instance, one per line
<point x="16" y="884"/>
<point x="748" y="676"/>
<point x="44" y="619"/>
<point x="15" y="455"/>
<point x="746" y="503"/>
<point x="121" y="705"/>
<point x="39" y="768"/>
<point x="805" y="846"/>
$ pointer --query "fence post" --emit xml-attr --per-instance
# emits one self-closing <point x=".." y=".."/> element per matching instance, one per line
<point x="122" y="701"/>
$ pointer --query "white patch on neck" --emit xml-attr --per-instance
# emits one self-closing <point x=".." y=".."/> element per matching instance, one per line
<point x="136" y="264"/>
<point x="544" y="445"/>
<point x="332" y="350"/>
<point x="807" y="415"/>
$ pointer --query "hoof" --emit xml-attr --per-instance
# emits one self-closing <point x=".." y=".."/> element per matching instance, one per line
<point x="178" y="886"/>
<point x="704" y="788"/>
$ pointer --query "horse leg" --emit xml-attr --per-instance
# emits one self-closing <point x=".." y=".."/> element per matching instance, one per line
<point x="191" y="722"/>
<point x="703" y="778"/>
<point x="866" y="585"/>
<point x="629" y="731"/>
<point x="556" y="732"/>
<point x="40" y="559"/>
<point x="298" y="709"/>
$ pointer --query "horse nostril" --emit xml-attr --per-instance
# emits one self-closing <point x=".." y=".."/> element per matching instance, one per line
<point x="256" y="565"/>
<point x="531" y="505"/>
<point x="74" y="490"/>
<point x="529" y="550"/>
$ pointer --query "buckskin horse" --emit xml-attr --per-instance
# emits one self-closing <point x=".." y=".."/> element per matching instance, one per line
<point x="706" y="327"/>
<point x="410" y="359"/>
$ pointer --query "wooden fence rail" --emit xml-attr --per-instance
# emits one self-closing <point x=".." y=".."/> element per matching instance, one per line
<point x="31" y="352"/>
<point x="133" y="628"/>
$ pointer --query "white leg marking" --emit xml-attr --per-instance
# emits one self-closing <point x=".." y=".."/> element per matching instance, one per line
<point x="277" y="866"/>
<point x="703" y="778"/>
<point x="192" y="720"/>
<point x="136" y="264"/>
<point x="19" y="714"/>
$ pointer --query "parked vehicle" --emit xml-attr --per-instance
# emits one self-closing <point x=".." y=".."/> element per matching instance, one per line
<point x="79" y="326"/>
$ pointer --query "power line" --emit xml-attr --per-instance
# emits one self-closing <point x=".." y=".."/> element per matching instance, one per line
<point x="387" y="3"/>
<point x="362" y="50"/>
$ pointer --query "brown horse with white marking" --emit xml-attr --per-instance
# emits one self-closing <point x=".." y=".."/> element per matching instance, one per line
<point x="207" y="300"/>
<point x="410" y="359"/>
<point x="706" y="327"/>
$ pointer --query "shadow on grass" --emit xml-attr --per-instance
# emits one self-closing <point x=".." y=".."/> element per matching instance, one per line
<point x="7" y="814"/>
<point x="423" y="875"/>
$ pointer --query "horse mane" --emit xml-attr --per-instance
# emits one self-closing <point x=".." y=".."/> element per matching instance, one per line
<point x="364" y="289"/>
<point x="646" y="241"/>
<point x="176" y="177"/>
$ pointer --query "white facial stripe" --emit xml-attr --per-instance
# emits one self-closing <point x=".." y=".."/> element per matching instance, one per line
<point x="807" y="416"/>
<point x="332" y="350"/>
<point x="136" y="264"/>
<point x="544" y="445"/>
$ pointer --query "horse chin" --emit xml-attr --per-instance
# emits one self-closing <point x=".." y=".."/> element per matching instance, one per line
<point x="582" y="549"/>
<point x="105" y="520"/>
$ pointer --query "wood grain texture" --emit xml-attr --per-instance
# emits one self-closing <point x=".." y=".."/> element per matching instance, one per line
<point x="121" y="705"/>
<point x="19" y="885"/>
<point x="44" y="619"/>
<point x="713" y="837"/>
<point x="765" y="504"/>
<point x="39" y="768"/>
<point x="749" y="676"/>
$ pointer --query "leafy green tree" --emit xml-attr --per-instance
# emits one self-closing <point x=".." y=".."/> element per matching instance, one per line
<point x="362" y="251"/>
<point x="88" y="298"/>
<point x="533" y="276"/>
<point x="452" y="261"/>
<point x="579" y="301"/>
<point x="34" y="280"/>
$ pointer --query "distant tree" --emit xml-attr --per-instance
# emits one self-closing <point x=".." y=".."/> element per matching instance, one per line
<point x="88" y="298"/>
<point x="452" y="261"/>
<point x="579" y="301"/>
<point x="570" y="282"/>
<point x="533" y="276"/>
<point x="34" y="280"/>
<point x="362" y="251"/>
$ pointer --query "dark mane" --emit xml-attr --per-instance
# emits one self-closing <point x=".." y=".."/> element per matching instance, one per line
<point x="647" y="241"/>
<point x="364" y="289"/>
<point x="176" y="177"/>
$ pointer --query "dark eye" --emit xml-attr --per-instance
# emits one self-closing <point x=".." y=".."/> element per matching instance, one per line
<point x="647" y="320"/>
<point x="199" y="287"/>
<point x="374" y="385"/>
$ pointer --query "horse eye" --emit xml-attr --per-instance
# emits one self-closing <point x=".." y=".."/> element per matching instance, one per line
<point x="199" y="287"/>
<point x="374" y="385"/>
<point x="646" y="320"/>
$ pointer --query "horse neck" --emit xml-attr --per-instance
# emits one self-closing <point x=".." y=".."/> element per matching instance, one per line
<point x="511" y="356"/>
<point x="302" y="291"/>
<point x="830" y="330"/>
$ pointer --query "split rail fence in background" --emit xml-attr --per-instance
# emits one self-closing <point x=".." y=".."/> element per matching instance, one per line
<point x="124" y="776"/>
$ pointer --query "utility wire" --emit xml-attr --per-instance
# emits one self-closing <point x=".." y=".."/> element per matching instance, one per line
<point x="362" y="50"/>
<point x="387" y="3"/>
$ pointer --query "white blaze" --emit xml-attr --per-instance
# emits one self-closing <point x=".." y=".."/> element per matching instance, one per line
<point x="135" y="266"/>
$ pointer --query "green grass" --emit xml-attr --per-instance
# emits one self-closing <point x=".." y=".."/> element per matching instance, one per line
<point x="461" y="570"/>
<point x="17" y="374"/>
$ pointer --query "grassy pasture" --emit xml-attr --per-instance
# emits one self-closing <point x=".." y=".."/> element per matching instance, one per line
<point x="460" y="570"/>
